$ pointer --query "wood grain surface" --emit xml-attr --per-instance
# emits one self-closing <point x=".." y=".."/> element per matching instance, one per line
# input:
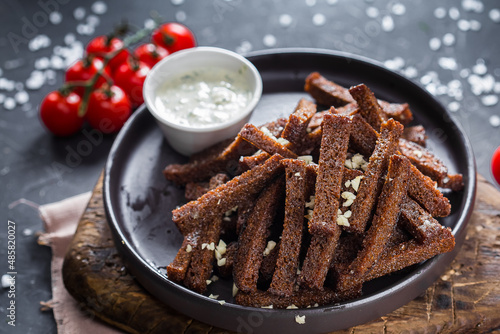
<point x="466" y="299"/>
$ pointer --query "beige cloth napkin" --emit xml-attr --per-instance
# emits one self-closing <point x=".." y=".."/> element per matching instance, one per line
<point x="60" y="222"/>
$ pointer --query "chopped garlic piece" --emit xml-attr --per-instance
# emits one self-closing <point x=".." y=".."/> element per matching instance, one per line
<point x="307" y="158"/>
<point x="342" y="220"/>
<point x="204" y="245"/>
<point x="291" y="307"/>
<point x="418" y="153"/>
<point x="268" y="306"/>
<point x="355" y="182"/>
<point x="300" y="319"/>
<point x="189" y="248"/>
<point x="213" y="296"/>
<point x="222" y="302"/>
<point x="235" y="289"/>
<point x="309" y="214"/>
<point x="269" y="247"/>
<point x="310" y="204"/>
<point x="221" y="262"/>
<point x="283" y="141"/>
<point x="348" y="214"/>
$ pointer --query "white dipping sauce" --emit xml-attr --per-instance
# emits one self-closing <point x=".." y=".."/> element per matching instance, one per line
<point x="204" y="97"/>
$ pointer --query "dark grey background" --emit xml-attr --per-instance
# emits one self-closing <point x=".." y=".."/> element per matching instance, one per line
<point x="40" y="168"/>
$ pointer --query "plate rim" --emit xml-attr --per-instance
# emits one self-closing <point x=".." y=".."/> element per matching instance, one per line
<point x="459" y="230"/>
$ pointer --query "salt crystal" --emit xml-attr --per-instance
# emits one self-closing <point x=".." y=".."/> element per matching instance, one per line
<point x="453" y="106"/>
<point x="2" y="98"/>
<point x="489" y="100"/>
<point x="475" y="25"/>
<point x="372" y="12"/>
<point x="56" y="62"/>
<point x="244" y="47"/>
<point x="473" y="6"/>
<point x="39" y="42"/>
<point x="410" y="72"/>
<point x="149" y="24"/>
<point x="434" y="43"/>
<point x="431" y="88"/>
<point x="398" y="9"/>
<point x="285" y="20"/>
<point x="310" y="3"/>
<point x="449" y="39"/>
<point x="269" y="40"/>
<point x="85" y="29"/>
<point x="79" y="13"/>
<point x="494" y="15"/>
<point x="55" y="17"/>
<point x="27" y="232"/>
<point x="395" y="64"/>
<point x="21" y="97"/>
<point x="93" y="20"/>
<point x="180" y="16"/>
<point x="6" y="280"/>
<point x="428" y="78"/>
<point x="496" y="87"/>
<point x="42" y="63"/>
<point x="332" y="2"/>
<point x="99" y="7"/>
<point x="440" y="12"/>
<point x="447" y="63"/>
<point x="177" y="2"/>
<point x="319" y="19"/>
<point x="387" y="23"/>
<point x="464" y="73"/>
<point x="69" y="38"/>
<point x="9" y="103"/>
<point x="495" y="121"/>
<point x="463" y="25"/>
<point x="454" y="13"/>
<point x="480" y="68"/>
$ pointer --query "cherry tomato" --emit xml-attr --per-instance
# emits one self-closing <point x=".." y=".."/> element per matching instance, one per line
<point x="59" y="113"/>
<point x="85" y="69"/>
<point x="150" y="53"/>
<point x="130" y="77"/>
<point x="495" y="165"/>
<point x="108" y="109"/>
<point x="173" y="37"/>
<point x="102" y="46"/>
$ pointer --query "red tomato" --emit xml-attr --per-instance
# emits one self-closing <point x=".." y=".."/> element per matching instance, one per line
<point x="173" y="37"/>
<point x="130" y="77"/>
<point x="59" y="113"/>
<point x="108" y="109"/>
<point x="85" y="69"/>
<point x="495" y="165"/>
<point x="150" y="53"/>
<point x="101" y="47"/>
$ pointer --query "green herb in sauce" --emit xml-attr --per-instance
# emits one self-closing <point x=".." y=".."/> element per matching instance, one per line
<point x="203" y="97"/>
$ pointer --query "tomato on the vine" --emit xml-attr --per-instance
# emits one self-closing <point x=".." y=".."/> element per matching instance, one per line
<point x="495" y="165"/>
<point x="85" y="69"/>
<point x="173" y="36"/>
<point x="108" y="109"/>
<point x="130" y="77"/>
<point x="59" y="113"/>
<point x="150" y="53"/>
<point x="102" y="46"/>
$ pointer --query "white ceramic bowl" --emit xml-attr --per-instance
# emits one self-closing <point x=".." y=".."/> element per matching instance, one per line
<point x="189" y="139"/>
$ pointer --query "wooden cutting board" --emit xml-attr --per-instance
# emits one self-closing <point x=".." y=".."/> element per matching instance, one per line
<point x="465" y="299"/>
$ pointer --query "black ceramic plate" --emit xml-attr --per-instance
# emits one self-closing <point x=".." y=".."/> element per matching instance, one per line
<point x="139" y="201"/>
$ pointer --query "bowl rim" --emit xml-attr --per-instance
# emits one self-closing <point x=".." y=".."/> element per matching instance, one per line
<point x="256" y="92"/>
